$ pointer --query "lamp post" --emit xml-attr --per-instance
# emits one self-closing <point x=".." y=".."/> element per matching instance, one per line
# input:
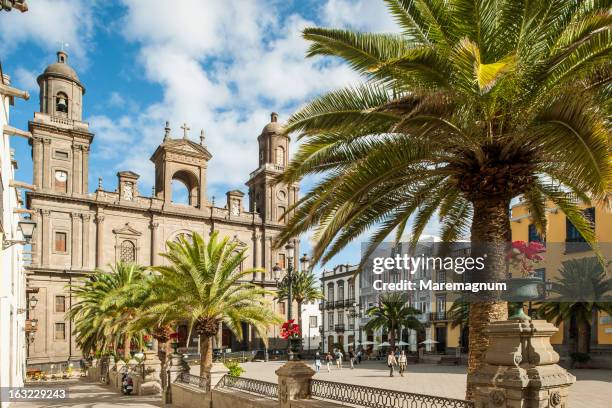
<point x="27" y="230"/>
<point x="289" y="248"/>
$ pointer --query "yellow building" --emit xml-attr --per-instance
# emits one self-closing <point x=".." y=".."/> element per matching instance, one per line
<point x="563" y="242"/>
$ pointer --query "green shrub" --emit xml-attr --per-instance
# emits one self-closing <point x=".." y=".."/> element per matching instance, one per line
<point x="234" y="368"/>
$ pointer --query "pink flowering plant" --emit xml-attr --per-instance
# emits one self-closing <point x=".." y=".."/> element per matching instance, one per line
<point x="523" y="256"/>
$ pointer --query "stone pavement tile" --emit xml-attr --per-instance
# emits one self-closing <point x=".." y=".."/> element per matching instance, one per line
<point x="92" y="395"/>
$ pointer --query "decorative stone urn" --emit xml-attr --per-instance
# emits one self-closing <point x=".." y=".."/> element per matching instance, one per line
<point x="293" y="382"/>
<point x="177" y="366"/>
<point x="521" y="369"/>
<point x="151" y="383"/>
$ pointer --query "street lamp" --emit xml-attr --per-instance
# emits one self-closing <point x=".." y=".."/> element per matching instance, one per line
<point x="305" y="262"/>
<point x="27" y="231"/>
<point x="289" y="248"/>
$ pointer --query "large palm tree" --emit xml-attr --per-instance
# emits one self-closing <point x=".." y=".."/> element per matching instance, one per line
<point x="106" y="307"/>
<point x="304" y="288"/>
<point x="583" y="288"/>
<point x="205" y="285"/>
<point x="392" y="314"/>
<point x="471" y="105"/>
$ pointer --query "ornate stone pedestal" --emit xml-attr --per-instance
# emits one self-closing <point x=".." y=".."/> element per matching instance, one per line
<point x="151" y="382"/>
<point x="521" y="368"/>
<point x="293" y="382"/>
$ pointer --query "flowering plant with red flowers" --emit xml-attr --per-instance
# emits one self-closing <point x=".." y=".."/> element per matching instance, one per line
<point x="174" y="336"/>
<point x="290" y="330"/>
<point x="523" y="256"/>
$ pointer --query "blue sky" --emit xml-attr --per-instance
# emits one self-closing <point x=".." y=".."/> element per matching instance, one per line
<point x="217" y="65"/>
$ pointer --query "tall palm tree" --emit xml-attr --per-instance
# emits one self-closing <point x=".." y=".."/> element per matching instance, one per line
<point x="471" y="105"/>
<point x="583" y="288"/>
<point x="204" y="285"/>
<point x="392" y="314"/>
<point x="106" y="307"/>
<point x="305" y="288"/>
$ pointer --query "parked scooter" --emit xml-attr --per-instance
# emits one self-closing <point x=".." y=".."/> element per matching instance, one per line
<point x="127" y="384"/>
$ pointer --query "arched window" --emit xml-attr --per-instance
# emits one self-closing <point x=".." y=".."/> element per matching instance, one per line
<point x="185" y="188"/>
<point x="341" y="290"/>
<point x="281" y="214"/>
<point x="180" y="193"/>
<point x="61" y="103"/>
<point x="280" y="156"/>
<point x="128" y="251"/>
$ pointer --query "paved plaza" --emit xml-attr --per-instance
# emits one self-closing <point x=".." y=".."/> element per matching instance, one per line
<point x="592" y="390"/>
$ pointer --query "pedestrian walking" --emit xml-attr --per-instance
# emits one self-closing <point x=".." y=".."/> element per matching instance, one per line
<point x="359" y="356"/>
<point x="317" y="362"/>
<point x="391" y="362"/>
<point x="351" y="359"/>
<point x="339" y="359"/>
<point x="328" y="361"/>
<point x="403" y="361"/>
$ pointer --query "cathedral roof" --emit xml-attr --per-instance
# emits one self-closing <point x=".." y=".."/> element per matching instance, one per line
<point x="182" y="146"/>
<point x="273" y="126"/>
<point x="61" y="69"/>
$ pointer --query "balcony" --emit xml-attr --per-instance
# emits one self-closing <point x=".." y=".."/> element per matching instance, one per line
<point x="329" y="304"/>
<point x="437" y="316"/>
<point x="339" y="328"/>
<point x="339" y="303"/>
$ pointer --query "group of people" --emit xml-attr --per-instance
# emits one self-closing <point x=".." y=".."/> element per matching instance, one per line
<point x="337" y="356"/>
<point x="394" y="359"/>
<point x="397" y="359"/>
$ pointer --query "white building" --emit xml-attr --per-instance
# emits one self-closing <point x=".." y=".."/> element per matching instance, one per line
<point x="340" y="308"/>
<point x="12" y="275"/>
<point x="311" y="320"/>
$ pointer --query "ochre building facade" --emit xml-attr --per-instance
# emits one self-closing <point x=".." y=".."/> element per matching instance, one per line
<point x="79" y="231"/>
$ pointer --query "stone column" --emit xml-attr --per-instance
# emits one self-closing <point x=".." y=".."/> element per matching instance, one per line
<point x="256" y="255"/>
<point x="154" y="245"/>
<point x="38" y="161"/>
<point x="76" y="169"/>
<point x="85" y="170"/>
<point x="85" y="255"/>
<point x="75" y="235"/>
<point x="151" y="382"/>
<point x="99" y="240"/>
<point x="46" y="240"/>
<point x="293" y="382"/>
<point x="46" y="163"/>
<point x="521" y="369"/>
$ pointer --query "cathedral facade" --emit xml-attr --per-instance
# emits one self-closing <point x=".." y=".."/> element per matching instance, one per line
<point x="80" y="230"/>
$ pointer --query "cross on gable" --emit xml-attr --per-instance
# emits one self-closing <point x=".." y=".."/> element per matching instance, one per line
<point x="185" y="130"/>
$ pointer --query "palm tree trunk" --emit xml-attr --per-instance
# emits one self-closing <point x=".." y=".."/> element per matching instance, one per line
<point x="126" y="347"/>
<point x="490" y="234"/>
<point x="583" y="336"/>
<point x="206" y="359"/>
<point x="392" y="339"/>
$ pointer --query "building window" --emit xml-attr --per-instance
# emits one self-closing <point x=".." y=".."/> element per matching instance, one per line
<point x="330" y="320"/>
<point x="281" y="214"/>
<point x="533" y="235"/>
<point x="281" y="308"/>
<point x="60" y="304"/>
<point x="340" y="290"/>
<point x="572" y="234"/>
<point x="60" y="241"/>
<point x="281" y="261"/>
<point x="313" y="321"/>
<point x="61" y="181"/>
<point x="340" y="317"/>
<point x="60" y="331"/>
<point x="351" y="290"/>
<point x="330" y="292"/>
<point x="61" y="103"/>
<point x="441" y="276"/>
<point x="280" y="156"/>
<point x="128" y="252"/>
<point x="61" y="154"/>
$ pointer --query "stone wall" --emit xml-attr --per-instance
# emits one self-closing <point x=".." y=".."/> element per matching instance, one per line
<point x="186" y="396"/>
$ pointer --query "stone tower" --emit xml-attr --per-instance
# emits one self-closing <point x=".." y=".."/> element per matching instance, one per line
<point x="269" y="199"/>
<point x="60" y="139"/>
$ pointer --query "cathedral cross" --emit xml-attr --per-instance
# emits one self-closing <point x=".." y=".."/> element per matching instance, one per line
<point x="185" y="130"/>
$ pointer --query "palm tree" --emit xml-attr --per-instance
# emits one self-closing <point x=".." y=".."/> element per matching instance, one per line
<point x="106" y="307"/>
<point x="459" y="313"/>
<point x="392" y="314"/>
<point x="582" y="288"/>
<point x="305" y="288"/>
<point x="203" y="284"/>
<point x="471" y="105"/>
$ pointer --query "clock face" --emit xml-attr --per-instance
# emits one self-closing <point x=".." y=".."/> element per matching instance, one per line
<point x="61" y="176"/>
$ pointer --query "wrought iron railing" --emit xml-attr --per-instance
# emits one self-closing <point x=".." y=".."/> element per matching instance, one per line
<point x="263" y="388"/>
<point x="361" y="396"/>
<point x="196" y="381"/>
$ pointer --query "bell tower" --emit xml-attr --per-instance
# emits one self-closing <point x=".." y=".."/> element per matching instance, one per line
<point x="270" y="199"/>
<point x="60" y="139"/>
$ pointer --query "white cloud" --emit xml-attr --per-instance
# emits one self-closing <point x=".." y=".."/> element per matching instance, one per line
<point x="366" y="15"/>
<point x="25" y="79"/>
<point x="48" y="23"/>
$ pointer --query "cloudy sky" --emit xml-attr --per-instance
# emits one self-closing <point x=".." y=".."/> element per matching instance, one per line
<point x="217" y="65"/>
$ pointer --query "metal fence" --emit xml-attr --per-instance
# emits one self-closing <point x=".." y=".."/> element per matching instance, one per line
<point x="263" y="388"/>
<point x="360" y="396"/>
<point x="196" y="381"/>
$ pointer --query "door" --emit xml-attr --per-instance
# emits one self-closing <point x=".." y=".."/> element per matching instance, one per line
<point x="441" y="339"/>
